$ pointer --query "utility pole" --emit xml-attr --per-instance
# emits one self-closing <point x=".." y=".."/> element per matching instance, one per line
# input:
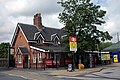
<point x="118" y="36"/>
<point x="8" y="55"/>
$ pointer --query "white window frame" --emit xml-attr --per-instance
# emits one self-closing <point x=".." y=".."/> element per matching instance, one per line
<point x="63" y="36"/>
<point x="34" y="58"/>
<point x="39" y="57"/>
<point x="19" y="58"/>
<point x="56" y="41"/>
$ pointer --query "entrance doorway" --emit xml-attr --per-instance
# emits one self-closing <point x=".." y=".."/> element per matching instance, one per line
<point x="25" y="61"/>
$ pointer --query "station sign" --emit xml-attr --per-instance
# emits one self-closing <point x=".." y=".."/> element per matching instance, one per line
<point x="73" y="43"/>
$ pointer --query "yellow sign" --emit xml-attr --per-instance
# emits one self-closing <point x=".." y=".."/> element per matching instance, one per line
<point x="73" y="44"/>
<point x="115" y="58"/>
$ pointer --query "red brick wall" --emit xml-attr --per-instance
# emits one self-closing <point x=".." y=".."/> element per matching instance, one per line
<point x="39" y="65"/>
<point x="20" y="41"/>
<point x="19" y="65"/>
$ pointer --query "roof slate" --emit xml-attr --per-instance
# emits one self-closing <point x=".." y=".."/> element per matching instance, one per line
<point x="47" y="32"/>
<point x="114" y="47"/>
<point x="30" y="30"/>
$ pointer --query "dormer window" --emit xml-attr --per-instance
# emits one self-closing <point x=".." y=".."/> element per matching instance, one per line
<point x="55" y="38"/>
<point x="56" y="41"/>
<point x="40" y="40"/>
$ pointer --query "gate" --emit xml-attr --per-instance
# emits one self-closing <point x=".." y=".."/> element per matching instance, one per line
<point x="3" y="62"/>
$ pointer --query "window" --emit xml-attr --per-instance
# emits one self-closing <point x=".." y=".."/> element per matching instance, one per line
<point x="40" y="40"/>
<point x="19" y="59"/>
<point x="56" y="41"/>
<point x="34" y="58"/>
<point x="39" y="57"/>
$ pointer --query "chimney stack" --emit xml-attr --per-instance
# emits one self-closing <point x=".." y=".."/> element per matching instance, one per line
<point x="38" y="21"/>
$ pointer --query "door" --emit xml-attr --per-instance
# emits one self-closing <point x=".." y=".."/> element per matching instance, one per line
<point x="25" y="62"/>
<point x="56" y="59"/>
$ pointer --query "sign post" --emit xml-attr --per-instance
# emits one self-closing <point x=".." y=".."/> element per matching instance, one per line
<point x="73" y="47"/>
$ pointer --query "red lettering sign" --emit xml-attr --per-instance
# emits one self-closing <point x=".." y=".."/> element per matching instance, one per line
<point x="73" y="39"/>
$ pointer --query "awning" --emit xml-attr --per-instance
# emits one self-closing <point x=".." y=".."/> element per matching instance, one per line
<point x="24" y="50"/>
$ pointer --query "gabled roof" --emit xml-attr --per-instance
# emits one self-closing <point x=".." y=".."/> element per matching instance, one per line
<point x="114" y="47"/>
<point x="30" y="31"/>
<point x="47" y="32"/>
<point x="27" y="30"/>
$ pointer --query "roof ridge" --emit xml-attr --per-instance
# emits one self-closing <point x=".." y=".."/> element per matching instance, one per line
<point x="26" y="24"/>
<point x="52" y="28"/>
<point x="42" y="25"/>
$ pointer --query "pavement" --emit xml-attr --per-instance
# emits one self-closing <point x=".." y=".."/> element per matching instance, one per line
<point x="50" y="74"/>
<point x="81" y="72"/>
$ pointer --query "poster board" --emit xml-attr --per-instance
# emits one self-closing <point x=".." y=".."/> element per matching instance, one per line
<point x="105" y="57"/>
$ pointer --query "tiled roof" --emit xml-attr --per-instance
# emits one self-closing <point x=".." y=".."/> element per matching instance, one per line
<point x="114" y="47"/>
<point x="50" y="47"/>
<point x="47" y="32"/>
<point x="30" y="30"/>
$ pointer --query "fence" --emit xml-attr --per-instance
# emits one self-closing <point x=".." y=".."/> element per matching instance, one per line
<point x="3" y="62"/>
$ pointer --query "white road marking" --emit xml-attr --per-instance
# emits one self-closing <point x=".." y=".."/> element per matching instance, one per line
<point x="18" y="76"/>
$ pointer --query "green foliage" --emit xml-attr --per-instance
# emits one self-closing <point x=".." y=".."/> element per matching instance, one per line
<point x="4" y="50"/>
<point x="104" y="45"/>
<point x="81" y="19"/>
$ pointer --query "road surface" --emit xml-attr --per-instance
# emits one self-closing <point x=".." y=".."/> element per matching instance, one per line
<point x="10" y="77"/>
<point x="105" y="74"/>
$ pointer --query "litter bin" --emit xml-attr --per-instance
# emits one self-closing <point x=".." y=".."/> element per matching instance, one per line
<point x="69" y="68"/>
<point x="81" y="66"/>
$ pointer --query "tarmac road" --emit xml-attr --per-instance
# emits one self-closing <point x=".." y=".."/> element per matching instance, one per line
<point x="106" y="74"/>
<point x="109" y="72"/>
<point x="10" y="77"/>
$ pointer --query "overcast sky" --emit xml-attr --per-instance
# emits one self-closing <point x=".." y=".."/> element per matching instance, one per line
<point x="14" y="11"/>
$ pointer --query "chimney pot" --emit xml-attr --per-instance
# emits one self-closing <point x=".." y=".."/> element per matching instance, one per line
<point x="38" y="21"/>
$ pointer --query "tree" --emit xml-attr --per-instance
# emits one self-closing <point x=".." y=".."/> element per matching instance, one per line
<point x="4" y="50"/>
<point x="81" y="19"/>
<point x="104" y="45"/>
